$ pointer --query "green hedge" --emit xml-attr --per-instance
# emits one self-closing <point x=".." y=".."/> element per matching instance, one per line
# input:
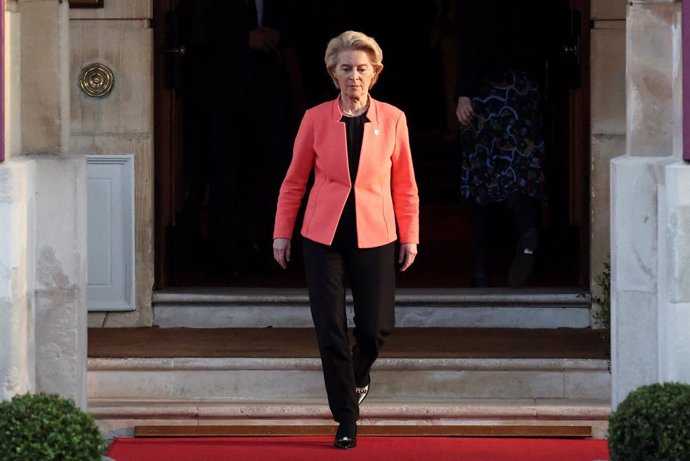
<point x="47" y="427"/>
<point x="652" y="424"/>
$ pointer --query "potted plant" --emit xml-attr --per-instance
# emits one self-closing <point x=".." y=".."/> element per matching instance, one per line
<point x="652" y="424"/>
<point x="47" y="427"/>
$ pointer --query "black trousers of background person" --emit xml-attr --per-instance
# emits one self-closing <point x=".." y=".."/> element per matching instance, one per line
<point x="525" y="211"/>
<point x="371" y="276"/>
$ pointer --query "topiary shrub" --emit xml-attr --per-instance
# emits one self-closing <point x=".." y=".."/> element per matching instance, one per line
<point x="47" y="427"/>
<point x="652" y="424"/>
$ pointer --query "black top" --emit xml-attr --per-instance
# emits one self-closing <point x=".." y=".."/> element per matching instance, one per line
<point x="355" y="134"/>
<point x="354" y="126"/>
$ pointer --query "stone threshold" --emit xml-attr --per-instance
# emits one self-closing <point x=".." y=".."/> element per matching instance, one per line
<point x="457" y="297"/>
<point x="415" y="307"/>
<point x="314" y="364"/>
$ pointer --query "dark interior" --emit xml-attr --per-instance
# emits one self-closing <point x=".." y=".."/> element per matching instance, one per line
<point x="415" y="45"/>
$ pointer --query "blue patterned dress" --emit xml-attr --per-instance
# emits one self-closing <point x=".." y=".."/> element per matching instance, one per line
<point x="503" y="148"/>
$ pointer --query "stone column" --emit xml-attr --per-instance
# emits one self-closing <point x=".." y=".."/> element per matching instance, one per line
<point x="61" y="309"/>
<point x="17" y="362"/>
<point x="646" y="343"/>
<point x="45" y="76"/>
<point x="674" y="273"/>
<point x="59" y="238"/>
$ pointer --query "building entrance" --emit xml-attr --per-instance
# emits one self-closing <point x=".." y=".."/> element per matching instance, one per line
<point x="226" y="117"/>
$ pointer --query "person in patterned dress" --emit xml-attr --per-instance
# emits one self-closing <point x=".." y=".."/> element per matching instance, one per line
<point x="499" y="98"/>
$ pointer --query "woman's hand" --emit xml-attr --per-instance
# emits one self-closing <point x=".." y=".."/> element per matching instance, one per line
<point x="464" y="110"/>
<point x="408" y="251"/>
<point x="281" y="251"/>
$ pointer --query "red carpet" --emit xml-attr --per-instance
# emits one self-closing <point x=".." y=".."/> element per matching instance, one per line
<point x="368" y="448"/>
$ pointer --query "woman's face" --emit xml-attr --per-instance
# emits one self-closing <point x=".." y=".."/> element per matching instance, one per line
<point x="354" y="73"/>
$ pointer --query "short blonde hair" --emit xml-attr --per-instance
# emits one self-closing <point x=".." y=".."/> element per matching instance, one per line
<point x="358" y="41"/>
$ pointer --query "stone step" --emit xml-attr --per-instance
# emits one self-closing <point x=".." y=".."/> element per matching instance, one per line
<point x="119" y="417"/>
<point x="301" y="378"/>
<point x="415" y="307"/>
<point x="123" y="392"/>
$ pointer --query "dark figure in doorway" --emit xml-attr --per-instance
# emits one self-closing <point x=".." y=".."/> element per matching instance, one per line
<point x="499" y="100"/>
<point x="239" y="118"/>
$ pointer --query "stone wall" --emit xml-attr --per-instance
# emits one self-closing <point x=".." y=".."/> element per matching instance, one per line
<point x="607" y="60"/>
<point x="42" y="207"/>
<point x="60" y="264"/>
<point x="650" y="216"/>
<point x="119" y="36"/>
<point x="17" y="311"/>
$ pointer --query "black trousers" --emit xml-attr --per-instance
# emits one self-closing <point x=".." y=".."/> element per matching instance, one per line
<point x="370" y="273"/>
<point x="525" y="210"/>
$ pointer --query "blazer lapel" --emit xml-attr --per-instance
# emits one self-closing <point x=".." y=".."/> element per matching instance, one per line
<point x="338" y="137"/>
<point x="371" y="141"/>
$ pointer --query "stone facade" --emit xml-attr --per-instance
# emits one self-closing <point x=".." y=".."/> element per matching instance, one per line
<point x="607" y="119"/>
<point x="649" y="215"/>
<point x="44" y="207"/>
<point x="51" y="125"/>
<point x="119" y="36"/>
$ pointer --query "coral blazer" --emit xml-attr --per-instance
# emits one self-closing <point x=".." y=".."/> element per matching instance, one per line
<point x="386" y="192"/>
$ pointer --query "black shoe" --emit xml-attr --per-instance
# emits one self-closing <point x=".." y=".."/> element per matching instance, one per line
<point x="523" y="262"/>
<point x="361" y="393"/>
<point x="346" y="436"/>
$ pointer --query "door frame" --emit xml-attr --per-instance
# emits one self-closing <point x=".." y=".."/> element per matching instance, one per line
<point x="167" y="138"/>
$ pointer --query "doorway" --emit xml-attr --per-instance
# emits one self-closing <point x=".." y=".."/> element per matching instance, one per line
<point x="417" y="51"/>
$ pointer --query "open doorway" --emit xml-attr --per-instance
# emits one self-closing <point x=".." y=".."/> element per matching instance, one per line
<point x="417" y="51"/>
